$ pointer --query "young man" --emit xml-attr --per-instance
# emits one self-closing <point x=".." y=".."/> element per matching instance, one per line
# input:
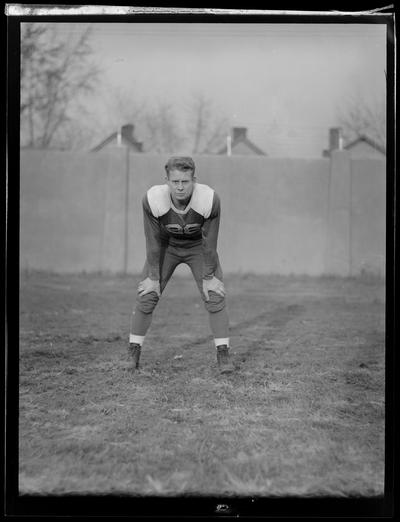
<point x="181" y="222"/>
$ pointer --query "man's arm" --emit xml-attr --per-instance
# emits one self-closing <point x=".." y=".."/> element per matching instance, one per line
<point x="153" y="241"/>
<point x="210" y="239"/>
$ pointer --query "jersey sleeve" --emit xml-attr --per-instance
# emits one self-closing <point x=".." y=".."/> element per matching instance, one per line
<point x="153" y="240"/>
<point x="210" y="238"/>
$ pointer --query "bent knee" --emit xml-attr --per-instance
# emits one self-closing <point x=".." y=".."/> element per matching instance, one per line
<point x="147" y="303"/>
<point x="216" y="303"/>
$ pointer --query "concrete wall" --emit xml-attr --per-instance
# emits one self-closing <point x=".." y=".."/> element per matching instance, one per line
<point x="68" y="205"/>
<point x="367" y="222"/>
<point x="301" y="216"/>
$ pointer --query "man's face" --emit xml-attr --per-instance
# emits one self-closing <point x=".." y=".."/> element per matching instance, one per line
<point x="181" y="184"/>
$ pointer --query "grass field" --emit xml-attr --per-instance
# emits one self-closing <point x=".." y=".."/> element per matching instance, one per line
<point x="303" y="414"/>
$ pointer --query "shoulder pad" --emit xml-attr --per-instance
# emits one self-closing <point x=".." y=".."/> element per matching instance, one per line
<point x="159" y="200"/>
<point x="202" y="199"/>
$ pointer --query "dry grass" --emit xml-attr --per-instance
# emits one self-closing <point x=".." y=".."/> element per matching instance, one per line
<point x="302" y="415"/>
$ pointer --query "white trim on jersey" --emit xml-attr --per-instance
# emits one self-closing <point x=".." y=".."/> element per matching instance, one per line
<point x="202" y="200"/>
<point x="160" y="201"/>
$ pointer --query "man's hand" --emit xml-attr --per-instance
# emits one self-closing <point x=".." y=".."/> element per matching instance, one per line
<point x="213" y="285"/>
<point x="149" y="285"/>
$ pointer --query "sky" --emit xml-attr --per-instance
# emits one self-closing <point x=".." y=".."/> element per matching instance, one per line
<point x="284" y="82"/>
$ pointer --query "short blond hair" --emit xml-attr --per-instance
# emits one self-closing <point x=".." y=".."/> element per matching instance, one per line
<point x="183" y="163"/>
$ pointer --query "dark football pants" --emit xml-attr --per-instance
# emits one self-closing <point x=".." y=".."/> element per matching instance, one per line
<point x="170" y="258"/>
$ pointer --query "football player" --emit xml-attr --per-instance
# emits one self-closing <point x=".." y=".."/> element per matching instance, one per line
<point x="181" y="222"/>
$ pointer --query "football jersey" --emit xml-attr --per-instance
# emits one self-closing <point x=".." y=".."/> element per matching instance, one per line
<point x="196" y="225"/>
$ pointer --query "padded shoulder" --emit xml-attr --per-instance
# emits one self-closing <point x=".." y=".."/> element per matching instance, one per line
<point x="159" y="200"/>
<point x="202" y="199"/>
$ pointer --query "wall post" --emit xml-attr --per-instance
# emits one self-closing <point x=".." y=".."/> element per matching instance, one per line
<point x="126" y="213"/>
<point x="338" y="260"/>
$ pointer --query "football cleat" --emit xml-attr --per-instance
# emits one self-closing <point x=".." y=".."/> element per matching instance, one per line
<point x="134" y="353"/>
<point x="224" y="363"/>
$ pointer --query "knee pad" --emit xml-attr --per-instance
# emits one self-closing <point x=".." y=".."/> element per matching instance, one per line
<point x="216" y="303"/>
<point x="147" y="303"/>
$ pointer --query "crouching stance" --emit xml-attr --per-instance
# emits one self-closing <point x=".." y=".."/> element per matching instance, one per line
<point x="181" y="222"/>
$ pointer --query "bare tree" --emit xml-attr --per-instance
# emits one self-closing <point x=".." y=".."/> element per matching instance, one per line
<point x="156" y="126"/>
<point x="362" y="117"/>
<point x="120" y="106"/>
<point x="56" y="73"/>
<point x="161" y="131"/>
<point x="165" y="128"/>
<point x="206" y="132"/>
<point x="124" y="106"/>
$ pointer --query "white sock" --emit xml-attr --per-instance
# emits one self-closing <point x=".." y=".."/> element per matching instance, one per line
<point x="137" y="339"/>
<point x="221" y="341"/>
